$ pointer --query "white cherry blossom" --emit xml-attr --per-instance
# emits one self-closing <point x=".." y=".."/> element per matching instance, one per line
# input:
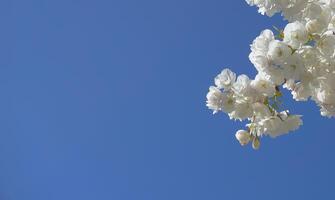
<point x="263" y="86"/>
<point x="219" y="101"/>
<point x="278" y="51"/>
<point x="295" y="34"/>
<point x="225" y="79"/>
<point x="300" y="58"/>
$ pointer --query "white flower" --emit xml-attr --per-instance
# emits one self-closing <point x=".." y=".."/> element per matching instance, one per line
<point x="273" y="74"/>
<point x="315" y="26"/>
<point x="294" y="68"/>
<point x="310" y="56"/>
<point x="325" y="96"/>
<point x="219" y="101"/>
<point x="263" y="40"/>
<point x="242" y="84"/>
<point x="261" y="62"/>
<point x="259" y="49"/>
<point x="261" y="110"/>
<point x="312" y="11"/>
<point x="289" y="84"/>
<point x="326" y="44"/>
<point x="263" y="86"/>
<point x="301" y="92"/>
<point x="281" y="124"/>
<point x="292" y="9"/>
<point x="278" y="51"/>
<point x="225" y="79"/>
<point x="295" y="34"/>
<point x="331" y="3"/>
<point x="269" y="7"/>
<point x="243" y="137"/>
<point x="327" y="110"/>
<point x="288" y="123"/>
<point x="242" y="111"/>
<point x="270" y="124"/>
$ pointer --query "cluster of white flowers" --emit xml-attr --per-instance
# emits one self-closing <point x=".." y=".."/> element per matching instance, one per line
<point x="300" y="58"/>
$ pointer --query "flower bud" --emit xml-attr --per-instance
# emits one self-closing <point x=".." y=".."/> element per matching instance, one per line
<point x="243" y="137"/>
<point x="256" y="143"/>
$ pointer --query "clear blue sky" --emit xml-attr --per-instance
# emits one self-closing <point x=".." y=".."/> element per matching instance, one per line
<point x="105" y="99"/>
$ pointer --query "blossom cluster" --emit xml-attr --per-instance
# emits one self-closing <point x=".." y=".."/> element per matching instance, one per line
<point x="300" y="58"/>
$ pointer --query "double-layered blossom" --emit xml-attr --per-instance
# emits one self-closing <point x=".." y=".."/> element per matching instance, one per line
<point x="220" y="101"/>
<point x="295" y="34"/>
<point x="225" y="79"/>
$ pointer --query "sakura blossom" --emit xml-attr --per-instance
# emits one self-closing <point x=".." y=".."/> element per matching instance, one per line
<point x="300" y="58"/>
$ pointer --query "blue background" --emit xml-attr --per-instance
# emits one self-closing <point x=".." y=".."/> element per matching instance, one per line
<point x="105" y="99"/>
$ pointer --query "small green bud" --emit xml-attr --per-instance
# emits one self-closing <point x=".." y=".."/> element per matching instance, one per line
<point x="256" y="143"/>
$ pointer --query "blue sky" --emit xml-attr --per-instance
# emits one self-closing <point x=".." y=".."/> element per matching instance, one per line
<point x="105" y="99"/>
